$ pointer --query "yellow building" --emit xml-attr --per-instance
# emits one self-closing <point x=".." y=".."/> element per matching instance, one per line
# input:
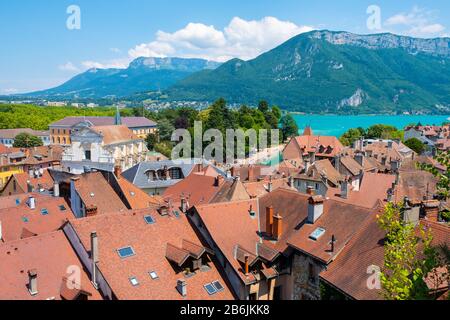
<point x="7" y="169"/>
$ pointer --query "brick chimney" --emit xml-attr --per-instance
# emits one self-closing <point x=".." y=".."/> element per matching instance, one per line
<point x="269" y="220"/>
<point x="94" y="258"/>
<point x="251" y="173"/>
<point x="118" y="171"/>
<point x="310" y="191"/>
<point x="182" y="287"/>
<point x="431" y="210"/>
<point x="315" y="208"/>
<point x="32" y="282"/>
<point x="277" y="226"/>
<point x="218" y="180"/>
<point x="233" y="171"/>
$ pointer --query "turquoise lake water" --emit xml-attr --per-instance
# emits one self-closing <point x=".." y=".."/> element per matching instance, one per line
<point x="338" y="125"/>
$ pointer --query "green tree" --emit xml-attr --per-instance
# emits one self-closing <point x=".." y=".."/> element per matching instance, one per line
<point x="404" y="270"/>
<point x="151" y="140"/>
<point x="263" y="106"/>
<point x="289" y="127"/>
<point x="26" y="140"/>
<point x="351" y="136"/>
<point x="416" y="145"/>
<point x="165" y="129"/>
<point x="443" y="185"/>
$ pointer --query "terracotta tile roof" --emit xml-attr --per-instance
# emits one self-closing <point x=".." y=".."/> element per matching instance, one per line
<point x="231" y="191"/>
<point x="11" y="201"/>
<point x="137" y="198"/>
<point x="149" y="242"/>
<point x="51" y="264"/>
<point x="351" y="164"/>
<point x="115" y="134"/>
<point x="12" y="133"/>
<point x="373" y="188"/>
<point x="349" y="271"/>
<point x="45" y="181"/>
<point x="231" y="226"/>
<point x="198" y="189"/>
<point x="324" y="169"/>
<point x="415" y="185"/>
<point x="259" y="189"/>
<point x="324" y="146"/>
<point x="95" y="191"/>
<point x="338" y="219"/>
<point x="175" y="254"/>
<point x="21" y="221"/>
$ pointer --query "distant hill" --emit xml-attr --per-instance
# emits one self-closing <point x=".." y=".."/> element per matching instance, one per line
<point x="143" y="74"/>
<point x="325" y="71"/>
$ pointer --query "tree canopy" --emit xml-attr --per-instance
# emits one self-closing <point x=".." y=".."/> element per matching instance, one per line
<point x="26" y="140"/>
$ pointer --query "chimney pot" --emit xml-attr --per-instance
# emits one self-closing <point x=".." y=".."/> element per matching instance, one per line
<point x="182" y="287"/>
<point x="246" y="266"/>
<point x="32" y="203"/>
<point x="32" y="282"/>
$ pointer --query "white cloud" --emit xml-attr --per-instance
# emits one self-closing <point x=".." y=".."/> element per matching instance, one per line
<point x="418" y="22"/>
<point x="240" y="39"/>
<point x="69" y="66"/>
<point x="115" y="50"/>
<point x="8" y="91"/>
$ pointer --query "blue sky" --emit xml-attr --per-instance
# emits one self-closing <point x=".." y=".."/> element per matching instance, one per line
<point x="39" y="51"/>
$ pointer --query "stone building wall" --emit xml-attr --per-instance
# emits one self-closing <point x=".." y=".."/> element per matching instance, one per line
<point x="304" y="287"/>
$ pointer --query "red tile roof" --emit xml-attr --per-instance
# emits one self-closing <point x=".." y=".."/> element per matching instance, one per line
<point x="21" y="221"/>
<point x="95" y="191"/>
<point x="52" y="256"/>
<point x="137" y="198"/>
<point x="45" y="181"/>
<point x="320" y="145"/>
<point x="115" y="134"/>
<point x="149" y="242"/>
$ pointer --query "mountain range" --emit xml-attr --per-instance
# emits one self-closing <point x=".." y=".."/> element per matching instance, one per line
<point x="142" y="75"/>
<point x="318" y="71"/>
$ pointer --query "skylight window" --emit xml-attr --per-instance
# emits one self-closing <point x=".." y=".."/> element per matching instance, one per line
<point x="134" y="281"/>
<point x="126" y="252"/>
<point x="210" y="289"/>
<point x="319" y="232"/>
<point x="44" y="212"/>
<point x="25" y="219"/>
<point x="132" y="193"/>
<point x="153" y="275"/>
<point x="218" y="286"/>
<point x="176" y="214"/>
<point x="62" y="207"/>
<point x="17" y="202"/>
<point x="149" y="219"/>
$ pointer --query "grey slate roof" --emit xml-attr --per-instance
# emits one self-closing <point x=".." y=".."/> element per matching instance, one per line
<point x="137" y="174"/>
<point x="130" y="122"/>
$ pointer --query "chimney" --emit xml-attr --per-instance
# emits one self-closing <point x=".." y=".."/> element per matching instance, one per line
<point x="94" y="258"/>
<point x="315" y="208"/>
<point x="277" y="227"/>
<point x="246" y="265"/>
<point x="291" y="181"/>
<point x="182" y="287"/>
<point x="395" y="165"/>
<point x="184" y="205"/>
<point x="29" y="187"/>
<point x="91" y="211"/>
<point x="56" y="189"/>
<point x="31" y="173"/>
<point x="312" y="157"/>
<point x="32" y="203"/>
<point x="337" y="163"/>
<point x="359" y="157"/>
<point x="310" y="191"/>
<point x="233" y="171"/>
<point x="390" y="144"/>
<point x="218" y="181"/>
<point x="307" y="165"/>
<point x="344" y="189"/>
<point x="270" y="185"/>
<point x="431" y="210"/>
<point x="333" y="241"/>
<point x="251" y="173"/>
<point x="32" y="282"/>
<point x="269" y="220"/>
<point x="410" y="214"/>
<point x="390" y="194"/>
<point x="118" y="171"/>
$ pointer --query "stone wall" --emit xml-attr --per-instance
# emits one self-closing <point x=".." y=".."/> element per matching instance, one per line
<point x="304" y="287"/>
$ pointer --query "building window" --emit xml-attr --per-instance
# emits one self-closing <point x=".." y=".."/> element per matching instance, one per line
<point x="87" y="155"/>
<point x="311" y="273"/>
